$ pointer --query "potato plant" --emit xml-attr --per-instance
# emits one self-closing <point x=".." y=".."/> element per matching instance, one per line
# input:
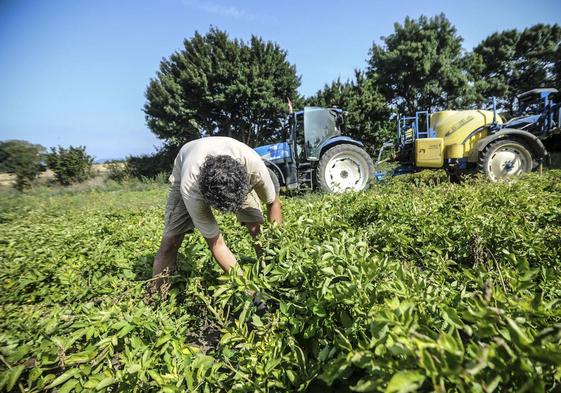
<point x="415" y="285"/>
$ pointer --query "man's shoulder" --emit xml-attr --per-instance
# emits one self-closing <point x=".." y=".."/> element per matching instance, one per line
<point x="213" y="141"/>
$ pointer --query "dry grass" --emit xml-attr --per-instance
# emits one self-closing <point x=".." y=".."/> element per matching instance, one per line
<point x="7" y="179"/>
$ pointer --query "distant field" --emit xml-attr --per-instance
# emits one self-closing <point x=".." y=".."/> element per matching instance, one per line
<point x="415" y="284"/>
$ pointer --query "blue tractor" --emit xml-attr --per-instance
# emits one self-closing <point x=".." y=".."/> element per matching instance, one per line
<point x="315" y="155"/>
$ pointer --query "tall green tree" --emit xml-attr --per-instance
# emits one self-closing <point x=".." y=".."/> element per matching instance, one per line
<point x="219" y="86"/>
<point x="367" y="113"/>
<point x="557" y="68"/>
<point x="23" y="159"/>
<point x="510" y="62"/>
<point x="421" y="66"/>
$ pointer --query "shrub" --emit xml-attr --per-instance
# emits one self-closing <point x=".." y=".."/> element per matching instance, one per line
<point x="150" y="166"/>
<point x="71" y="165"/>
<point x="117" y="171"/>
<point x="422" y="178"/>
<point x="23" y="159"/>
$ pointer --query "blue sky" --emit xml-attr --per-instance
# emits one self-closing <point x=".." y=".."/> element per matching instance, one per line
<point x="74" y="72"/>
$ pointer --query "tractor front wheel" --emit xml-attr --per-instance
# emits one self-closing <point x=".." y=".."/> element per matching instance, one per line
<point x="506" y="159"/>
<point x="343" y="168"/>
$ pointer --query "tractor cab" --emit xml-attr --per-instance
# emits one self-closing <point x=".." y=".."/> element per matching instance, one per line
<point x="537" y="112"/>
<point x="311" y="128"/>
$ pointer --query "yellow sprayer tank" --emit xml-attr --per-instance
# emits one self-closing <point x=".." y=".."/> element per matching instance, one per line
<point x="453" y="139"/>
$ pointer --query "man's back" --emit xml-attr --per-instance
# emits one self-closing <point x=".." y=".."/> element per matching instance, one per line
<point x="193" y="154"/>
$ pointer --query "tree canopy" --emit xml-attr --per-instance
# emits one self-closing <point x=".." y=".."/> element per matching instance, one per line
<point x="23" y="159"/>
<point x="219" y="86"/>
<point x="511" y="62"/>
<point x="366" y="110"/>
<point x="421" y="66"/>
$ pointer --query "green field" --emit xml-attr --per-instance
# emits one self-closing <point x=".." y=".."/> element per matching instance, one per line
<point x="418" y="284"/>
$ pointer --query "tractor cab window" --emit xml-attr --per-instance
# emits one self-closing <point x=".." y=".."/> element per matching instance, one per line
<point x="300" y="137"/>
<point x="531" y="107"/>
<point x="319" y="125"/>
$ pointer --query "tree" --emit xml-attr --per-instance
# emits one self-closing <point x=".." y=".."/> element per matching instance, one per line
<point x="219" y="86"/>
<point x="23" y="159"/>
<point x="71" y="165"/>
<point x="421" y="66"/>
<point x="366" y="111"/>
<point x="153" y="165"/>
<point x="558" y="66"/>
<point x="510" y="62"/>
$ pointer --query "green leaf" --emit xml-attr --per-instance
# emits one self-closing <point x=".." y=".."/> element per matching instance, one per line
<point x="428" y="363"/>
<point x="365" y="385"/>
<point x="125" y="330"/>
<point x="450" y="316"/>
<point x="328" y="271"/>
<point x="405" y="381"/>
<point x="68" y="386"/>
<point x="243" y="314"/>
<point x="13" y="375"/>
<point x="547" y="356"/>
<point x="256" y="321"/>
<point x="134" y="368"/>
<point x="79" y="357"/>
<point x="64" y="377"/>
<point x="291" y="376"/>
<point x="105" y="382"/>
<point x="518" y="336"/>
<point x="156" y="377"/>
<point x="162" y="340"/>
<point x="346" y="320"/>
<point x="19" y="353"/>
<point x="92" y="382"/>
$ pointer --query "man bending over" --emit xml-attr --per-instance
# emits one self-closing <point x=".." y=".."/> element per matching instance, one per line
<point x="217" y="172"/>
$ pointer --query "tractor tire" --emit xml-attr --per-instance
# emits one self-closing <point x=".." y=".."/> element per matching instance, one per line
<point x="275" y="180"/>
<point x="343" y="168"/>
<point x="506" y="159"/>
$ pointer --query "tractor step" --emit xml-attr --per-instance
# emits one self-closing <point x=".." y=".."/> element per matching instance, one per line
<point x="306" y="179"/>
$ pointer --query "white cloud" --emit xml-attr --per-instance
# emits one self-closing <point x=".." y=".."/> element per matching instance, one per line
<point x="227" y="11"/>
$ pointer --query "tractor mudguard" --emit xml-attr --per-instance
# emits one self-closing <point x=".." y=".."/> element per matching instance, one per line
<point x="276" y="169"/>
<point x="337" y="140"/>
<point x="533" y="142"/>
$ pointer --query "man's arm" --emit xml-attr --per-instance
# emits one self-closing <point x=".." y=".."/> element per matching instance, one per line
<point x="222" y="253"/>
<point x="274" y="211"/>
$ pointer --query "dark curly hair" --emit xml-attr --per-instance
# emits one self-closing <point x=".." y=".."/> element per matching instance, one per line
<point x="224" y="183"/>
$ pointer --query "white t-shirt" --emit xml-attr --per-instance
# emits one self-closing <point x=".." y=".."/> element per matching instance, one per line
<point x="186" y="171"/>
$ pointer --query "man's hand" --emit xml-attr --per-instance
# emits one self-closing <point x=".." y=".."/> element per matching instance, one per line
<point x="274" y="211"/>
<point x="222" y="253"/>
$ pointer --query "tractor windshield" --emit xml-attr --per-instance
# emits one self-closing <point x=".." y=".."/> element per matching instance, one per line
<point x="319" y="125"/>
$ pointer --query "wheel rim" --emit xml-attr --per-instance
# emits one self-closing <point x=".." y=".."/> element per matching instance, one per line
<point x="346" y="171"/>
<point x="508" y="161"/>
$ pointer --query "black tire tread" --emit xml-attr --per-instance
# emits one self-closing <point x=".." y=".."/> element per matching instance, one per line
<point x="275" y="180"/>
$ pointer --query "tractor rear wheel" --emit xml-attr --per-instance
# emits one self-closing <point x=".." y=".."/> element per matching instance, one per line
<point x="344" y="167"/>
<point x="506" y="159"/>
<point x="275" y="180"/>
